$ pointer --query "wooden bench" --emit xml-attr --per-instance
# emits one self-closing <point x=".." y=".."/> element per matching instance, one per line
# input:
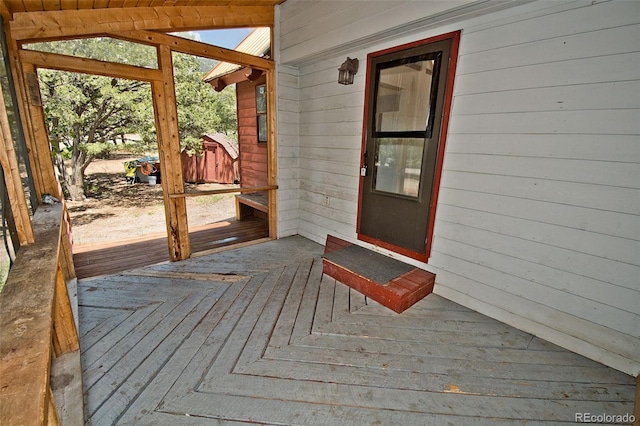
<point x="252" y="204"/>
<point x="38" y="331"/>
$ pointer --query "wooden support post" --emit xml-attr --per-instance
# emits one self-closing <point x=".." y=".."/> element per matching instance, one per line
<point x="23" y="107"/>
<point x="164" y="103"/>
<point x="272" y="152"/>
<point x="9" y="161"/>
<point x="40" y="149"/>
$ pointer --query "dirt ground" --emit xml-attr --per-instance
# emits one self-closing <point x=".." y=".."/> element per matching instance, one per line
<point x="116" y="210"/>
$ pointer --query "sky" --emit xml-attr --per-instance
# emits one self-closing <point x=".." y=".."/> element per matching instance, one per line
<point x="223" y="38"/>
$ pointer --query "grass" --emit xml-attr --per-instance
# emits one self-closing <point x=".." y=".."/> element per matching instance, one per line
<point x="207" y="200"/>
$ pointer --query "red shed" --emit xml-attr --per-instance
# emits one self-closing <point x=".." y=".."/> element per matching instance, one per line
<point x="218" y="162"/>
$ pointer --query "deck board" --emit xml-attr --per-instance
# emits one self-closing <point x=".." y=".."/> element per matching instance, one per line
<point x="285" y="344"/>
<point x="112" y="257"/>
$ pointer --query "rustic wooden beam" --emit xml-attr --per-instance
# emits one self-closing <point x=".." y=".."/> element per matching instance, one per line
<point x="23" y="108"/>
<point x="60" y="62"/>
<point x="166" y="114"/>
<point x="13" y="183"/>
<point x="243" y="190"/>
<point x="271" y="152"/>
<point x="4" y="11"/>
<point x="64" y="23"/>
<point x="40" y="150"/>
<point x="26" y="325"/>
<point x="182" y="45"/>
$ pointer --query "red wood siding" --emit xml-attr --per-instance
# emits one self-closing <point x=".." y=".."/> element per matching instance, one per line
<point x="253" y="155"/>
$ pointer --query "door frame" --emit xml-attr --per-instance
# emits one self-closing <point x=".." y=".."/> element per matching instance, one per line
<point x="455" y="43"/>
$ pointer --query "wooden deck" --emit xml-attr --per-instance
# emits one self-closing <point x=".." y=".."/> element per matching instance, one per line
<point x="259" y="335"/>
<point x="112" y="257"/>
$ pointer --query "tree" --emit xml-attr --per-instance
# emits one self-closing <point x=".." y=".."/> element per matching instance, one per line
<point x="86" y="114"/>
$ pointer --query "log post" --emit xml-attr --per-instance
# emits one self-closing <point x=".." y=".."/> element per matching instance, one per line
<point x="166" y="113"/>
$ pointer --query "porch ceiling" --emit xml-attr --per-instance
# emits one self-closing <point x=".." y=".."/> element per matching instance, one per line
<point x="16" y="6"/>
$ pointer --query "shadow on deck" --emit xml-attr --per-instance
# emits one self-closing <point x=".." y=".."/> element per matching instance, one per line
<point x="260" y="335"/>
<point x="91" y="260"/>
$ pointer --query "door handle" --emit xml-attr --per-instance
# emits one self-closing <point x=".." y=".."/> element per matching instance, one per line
<point x="364" y="168"/>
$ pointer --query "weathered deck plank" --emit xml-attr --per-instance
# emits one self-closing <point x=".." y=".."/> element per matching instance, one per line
<point x="285" y="344"/>
<point x="114" y="257"/>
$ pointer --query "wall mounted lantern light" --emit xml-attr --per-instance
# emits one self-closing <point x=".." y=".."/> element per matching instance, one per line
<point x="347" y="70"/>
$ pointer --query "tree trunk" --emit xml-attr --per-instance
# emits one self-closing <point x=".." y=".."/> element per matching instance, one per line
<point x="73" y="177"/>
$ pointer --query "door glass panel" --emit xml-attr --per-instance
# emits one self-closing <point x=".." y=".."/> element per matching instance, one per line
<point x="403" y="97"/>
<point x="398" y="165"/>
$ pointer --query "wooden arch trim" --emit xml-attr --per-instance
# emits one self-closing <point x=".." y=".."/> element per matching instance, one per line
<point x="60" y="62"/>
<point x="191" y="47"/>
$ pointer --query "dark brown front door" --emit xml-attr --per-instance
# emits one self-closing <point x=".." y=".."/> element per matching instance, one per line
<point x="406" y="91"/>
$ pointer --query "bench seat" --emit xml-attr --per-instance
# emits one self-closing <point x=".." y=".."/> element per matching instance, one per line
<point x="252" y="204"/>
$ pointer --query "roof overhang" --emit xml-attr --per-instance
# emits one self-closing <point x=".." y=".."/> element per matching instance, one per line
<point x="243" y="74"/>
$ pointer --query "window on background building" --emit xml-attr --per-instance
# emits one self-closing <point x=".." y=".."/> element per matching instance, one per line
<point x="261" y="112"/>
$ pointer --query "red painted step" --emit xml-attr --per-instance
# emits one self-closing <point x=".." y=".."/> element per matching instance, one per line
<point x="398" y="294"/>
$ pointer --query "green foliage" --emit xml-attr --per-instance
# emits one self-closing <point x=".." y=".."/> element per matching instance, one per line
<point x="200" y="109"/>
<point x="101" y="149"/>
<point x="86" y="114"/>
<point x="102" y="49"/>
<point x="192" y="146"/>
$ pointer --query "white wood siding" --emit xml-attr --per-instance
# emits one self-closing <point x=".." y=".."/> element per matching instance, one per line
<point x="538" y="220"/>
<point x="288" y="152"/>
<point x="318" y="27"/>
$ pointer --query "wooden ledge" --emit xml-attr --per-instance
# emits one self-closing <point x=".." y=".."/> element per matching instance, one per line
<point x="36" y="325"/>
